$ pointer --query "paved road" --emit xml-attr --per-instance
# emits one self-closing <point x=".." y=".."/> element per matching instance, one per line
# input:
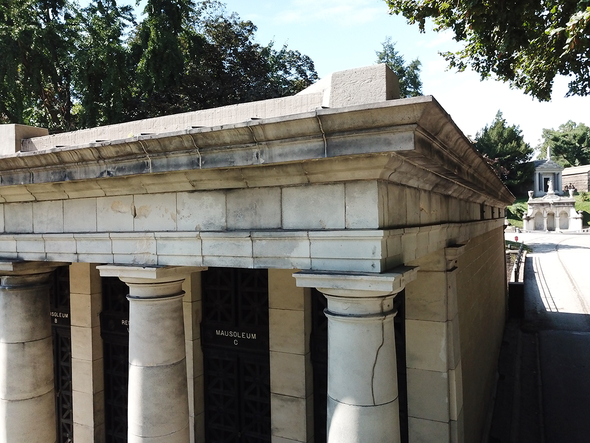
<point x="544" y="388"/>
<point x="558" y="277"/>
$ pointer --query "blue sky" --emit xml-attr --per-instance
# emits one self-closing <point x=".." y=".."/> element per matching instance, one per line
<point x="344" y="34"/>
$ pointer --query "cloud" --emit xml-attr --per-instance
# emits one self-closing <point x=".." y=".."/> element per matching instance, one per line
<point x="341" y="12"/>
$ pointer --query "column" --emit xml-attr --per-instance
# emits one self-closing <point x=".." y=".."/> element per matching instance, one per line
<point x="158" y="391"/>
<point x="27" y="398"/>
<point x="363" y="403"/>
<point x="545" y="221"/>
<point x="536" y="186"/>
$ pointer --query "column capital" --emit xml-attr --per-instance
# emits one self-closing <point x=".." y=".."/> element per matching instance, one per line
<point x="147" y="274"/>
<point x="21" y="267"/>
<point x="357" y="284"/>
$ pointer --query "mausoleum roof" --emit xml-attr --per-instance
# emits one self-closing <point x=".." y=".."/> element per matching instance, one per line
<point x="364" y="134"/>
<point x="548" y="166"/>
<point x="576" y="170"/>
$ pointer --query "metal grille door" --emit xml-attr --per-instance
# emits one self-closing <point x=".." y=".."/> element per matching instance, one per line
<point x="62" y="353"/>
<point x="114" y="324"/>
<point x="319" y="361"/>
<point x="236" y="357"/>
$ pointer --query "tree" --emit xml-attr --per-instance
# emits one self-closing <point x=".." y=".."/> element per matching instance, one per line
<point x="523" y="42"/>
<point x="37" y="42"/>
<point x="570" y="144"/>
<point x="103" y="76"/>
<point x="67" y="68"/>
<point x="410" y="84"/>
<point x="506" y="151"/>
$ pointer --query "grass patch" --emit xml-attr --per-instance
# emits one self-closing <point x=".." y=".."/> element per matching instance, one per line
<point x="583" y="206"/>
<point x="515" y="211"/>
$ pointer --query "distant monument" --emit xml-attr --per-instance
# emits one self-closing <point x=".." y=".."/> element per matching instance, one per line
<point x="547" y="171"/>
<point x="549" y="211"/>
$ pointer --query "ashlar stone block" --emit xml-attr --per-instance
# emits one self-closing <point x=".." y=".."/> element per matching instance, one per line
<point x="80" y="215"/>
<point x="48" y="216"/>
<point x="258" y="208"/>
<point x="18" y="217"/>
<point x="155" y="212"/>
<point x="288" y="374"/>
<point x="363" y="205"/>
<point x="428" y="395"/>
<point x="286" y="419"/>
<point x="428" y="431"/>
<point x="314" y="207"/>
<point x="283" y="291"/>
<point x="287" y="331"/>
<point x="201" y="211"/>
<point x="426" y="345"/>
<point x="115" y="214"/>
<point x="426" y="297"/>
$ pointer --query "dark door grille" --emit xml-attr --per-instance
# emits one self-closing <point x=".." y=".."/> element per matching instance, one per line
<point x="319" y="361"/>
<point x="236" y="357"/>
<point x="399" y="325"/>
<point x="62" y="353"/>
<point x="114" y="324"/>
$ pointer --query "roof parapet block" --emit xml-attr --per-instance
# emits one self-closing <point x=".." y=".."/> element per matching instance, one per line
<point x="12" y="135"/>
<point x="359" y="86"/>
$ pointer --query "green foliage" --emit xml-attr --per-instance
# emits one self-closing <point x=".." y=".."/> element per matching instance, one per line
<point x="570" y="144"/>
<point x="103" y="75"/>
<point x="37" y="38"/>
<point x="524" y="42"/>
<point x="516" y="211"/>
<point x="410" y="84"/>
<point x="66" y="68"/>
<point x="583" y="206"/>
<point x="506" y="151"/>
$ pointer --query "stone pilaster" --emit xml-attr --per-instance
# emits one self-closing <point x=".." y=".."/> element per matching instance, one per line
<point x="291" y="375"/>
<point x="194" y="355"/>
<point x="363" y="403"/>
<point x="87" y="353"/>
<point x="158" y="408"/>
<point x="435" y="383"/>
<point x="27" y="397"/>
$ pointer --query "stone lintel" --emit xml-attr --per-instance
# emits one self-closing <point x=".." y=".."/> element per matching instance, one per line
<point x="358" y="284"/>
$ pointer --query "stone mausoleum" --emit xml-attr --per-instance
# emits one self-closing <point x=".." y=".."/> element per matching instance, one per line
<point x="550" y="210"/>
<point x="548" y="174"/>
<point x="322" y="267"/>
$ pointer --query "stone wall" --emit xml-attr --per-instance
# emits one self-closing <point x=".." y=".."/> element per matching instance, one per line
<point x="481" y="289"/>
<point x="580" y="181"/>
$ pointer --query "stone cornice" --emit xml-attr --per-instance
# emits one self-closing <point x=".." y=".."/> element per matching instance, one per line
<point x="424" y="147"/>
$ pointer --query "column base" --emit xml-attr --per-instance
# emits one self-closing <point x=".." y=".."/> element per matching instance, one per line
<point x="41" y="429"/>
<point x="363" y="424"/>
